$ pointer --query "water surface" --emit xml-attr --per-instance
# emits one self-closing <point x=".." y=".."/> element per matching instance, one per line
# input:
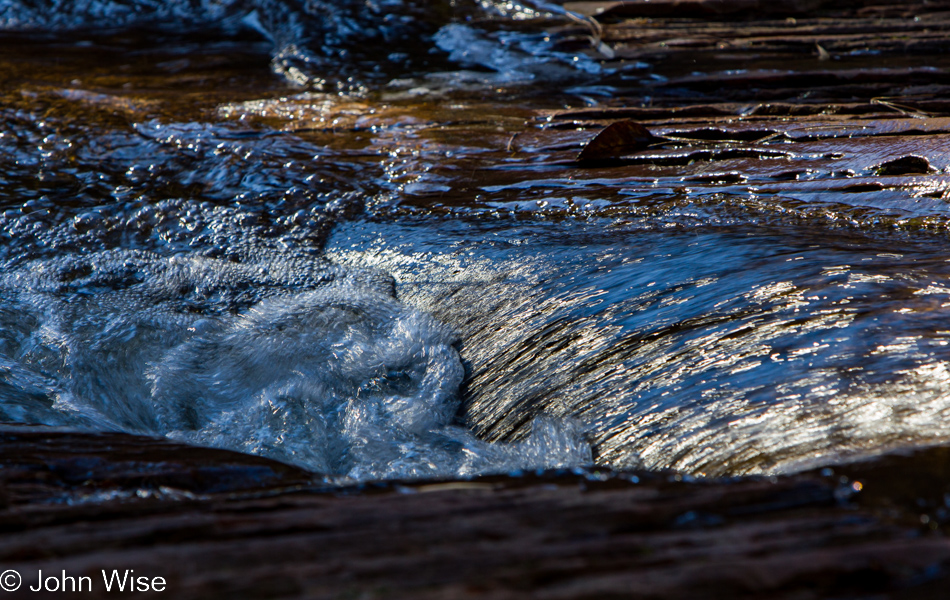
<point x="244" y="224"/>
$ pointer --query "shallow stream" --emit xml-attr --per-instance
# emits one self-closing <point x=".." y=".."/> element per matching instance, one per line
<point x="355" y="238"/>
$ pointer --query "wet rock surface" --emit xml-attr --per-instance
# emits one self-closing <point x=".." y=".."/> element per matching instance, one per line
<point x="215" y="524"/>
<point x="826" y="121"/>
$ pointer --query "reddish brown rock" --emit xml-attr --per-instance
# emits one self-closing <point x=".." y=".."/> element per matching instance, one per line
<point x="215" y="524"/>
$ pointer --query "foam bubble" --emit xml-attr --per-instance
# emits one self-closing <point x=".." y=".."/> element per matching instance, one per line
<point x="299" y="360"/>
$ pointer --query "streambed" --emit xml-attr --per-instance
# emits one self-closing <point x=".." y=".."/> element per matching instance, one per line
<point x="399" y="268"/>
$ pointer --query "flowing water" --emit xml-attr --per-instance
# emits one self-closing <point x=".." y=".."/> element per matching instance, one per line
<point x="351" y="236"/>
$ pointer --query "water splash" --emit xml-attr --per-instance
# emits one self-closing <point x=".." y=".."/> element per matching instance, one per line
<point x="715" y="351"/>
<point x="293" y="359"/>
<point x="515" y="57"/>
<point x="327" y="46"/>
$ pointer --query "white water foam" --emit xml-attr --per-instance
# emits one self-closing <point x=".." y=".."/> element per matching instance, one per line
<point x="293" y="359"/>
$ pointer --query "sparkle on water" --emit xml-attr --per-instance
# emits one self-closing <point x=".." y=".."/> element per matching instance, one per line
<point x="251" y="229"/>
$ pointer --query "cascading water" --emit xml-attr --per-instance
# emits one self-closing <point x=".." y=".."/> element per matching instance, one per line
<point x="383" y="264"/>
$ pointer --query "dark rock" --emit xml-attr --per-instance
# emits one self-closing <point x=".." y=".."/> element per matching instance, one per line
<point x="215" y="524"/>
